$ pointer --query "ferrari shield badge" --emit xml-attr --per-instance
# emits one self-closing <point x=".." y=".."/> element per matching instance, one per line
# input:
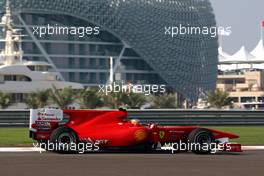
<point x="161" y="134"/>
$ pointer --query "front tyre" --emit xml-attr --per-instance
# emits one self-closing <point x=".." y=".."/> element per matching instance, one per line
<point x="63" y="138"/>
<point x="201" y="139"/>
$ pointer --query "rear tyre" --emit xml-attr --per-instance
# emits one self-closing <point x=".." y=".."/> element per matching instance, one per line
<point x="63" y="138"/>
<point x="201" y="139"/>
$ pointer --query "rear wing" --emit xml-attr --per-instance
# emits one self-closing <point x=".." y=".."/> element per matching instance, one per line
<point x="45" y="115"/>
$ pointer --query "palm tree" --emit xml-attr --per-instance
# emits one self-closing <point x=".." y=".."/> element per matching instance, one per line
<point x="135" y="100"/>
<point x="90" y="99"/>
<point x="38" y="99"/>
<point x="218" y="99"/>
<point x="4" y="100"/>
<point x="31" y="101"/>
<point x="63" y="97"/>
<point x="43" y="97"/>
<point x="115" y="100"/>
<point x="163" y="101"/>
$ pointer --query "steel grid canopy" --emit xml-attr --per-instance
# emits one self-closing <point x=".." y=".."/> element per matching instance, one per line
<point x="188" y="63"/>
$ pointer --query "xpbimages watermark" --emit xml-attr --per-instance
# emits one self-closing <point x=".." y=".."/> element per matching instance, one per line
<point x="146" y="89"/>
<point x="65" y="30"/>
<point x="79" y="147"/>
<point x="212" y="31"/>
<point x="183" y="146"/>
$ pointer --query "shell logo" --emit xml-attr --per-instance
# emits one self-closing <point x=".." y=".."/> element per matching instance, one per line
<point x="140" y="135"/>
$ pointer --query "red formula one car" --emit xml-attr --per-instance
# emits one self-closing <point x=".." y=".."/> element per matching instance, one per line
<point x="111" y="129"/>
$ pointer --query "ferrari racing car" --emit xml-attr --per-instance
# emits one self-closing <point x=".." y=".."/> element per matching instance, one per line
<point x="111" y="130"/>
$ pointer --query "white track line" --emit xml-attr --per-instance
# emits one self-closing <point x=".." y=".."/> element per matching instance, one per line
<point x="252" y="147"/>
<point x="21" y="149"/>
<point x="34" y="149"/>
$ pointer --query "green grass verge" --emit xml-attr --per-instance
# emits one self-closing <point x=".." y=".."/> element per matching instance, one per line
<point x="15" y="137"/>
<point x="249" y="135"/>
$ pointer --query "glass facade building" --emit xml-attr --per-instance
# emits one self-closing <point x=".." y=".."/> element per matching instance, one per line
<point x="132" y="32"/>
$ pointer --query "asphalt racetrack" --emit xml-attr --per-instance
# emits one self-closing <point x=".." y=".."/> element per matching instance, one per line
<point x="248" y="163"/>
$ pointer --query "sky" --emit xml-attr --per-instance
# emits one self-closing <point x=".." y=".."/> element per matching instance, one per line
<point x="245" y="17"/>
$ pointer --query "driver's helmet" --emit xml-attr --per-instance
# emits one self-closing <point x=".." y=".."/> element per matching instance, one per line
<point x="135" y="121"/>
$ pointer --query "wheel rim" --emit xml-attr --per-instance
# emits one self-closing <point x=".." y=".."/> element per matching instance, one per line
<point x="65" y="138"/>
<point x="203" y="138"/>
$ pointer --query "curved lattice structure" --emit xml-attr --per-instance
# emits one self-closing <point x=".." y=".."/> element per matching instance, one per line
<point x="187" y="63"/>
